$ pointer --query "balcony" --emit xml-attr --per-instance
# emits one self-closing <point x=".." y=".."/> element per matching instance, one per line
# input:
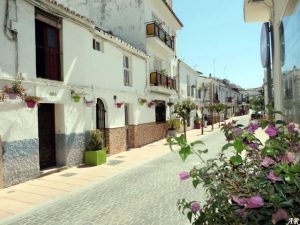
<point x="162" y="84"/>
<point x="229" y="99"/>
<point x="154" y="30"/>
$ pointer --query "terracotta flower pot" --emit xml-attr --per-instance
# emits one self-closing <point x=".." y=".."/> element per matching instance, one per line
<point x="12" y="95"/>
<point x="119" y="105"/>
<point x="30" y="104"/>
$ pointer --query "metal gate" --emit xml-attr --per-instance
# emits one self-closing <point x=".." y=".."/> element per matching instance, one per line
<point x="100" y="118"/>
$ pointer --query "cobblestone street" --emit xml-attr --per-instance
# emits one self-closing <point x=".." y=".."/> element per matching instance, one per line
<point x="145" y="195"/>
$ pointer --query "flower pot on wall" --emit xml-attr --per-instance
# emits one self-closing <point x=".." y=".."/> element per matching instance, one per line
<point x="76" y="98"/>
<point x="12" y="95"/>
<point x="89" y="104"/>
<point x="30" y="104"/>
<point x="95" y="158"/>
<point x="119" y="104"/>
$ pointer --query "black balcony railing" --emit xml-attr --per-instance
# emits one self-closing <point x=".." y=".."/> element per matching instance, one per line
<point x="229" y="99"/>
<point x="158" y="79"/>
<point x="153" y="29"/>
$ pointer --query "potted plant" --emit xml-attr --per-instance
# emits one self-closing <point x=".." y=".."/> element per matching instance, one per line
<point x="152" y="103"/>
<point x="31" y="101"/>
<point x="95" y="154"/>
<point x="76" y="95"/>
<point x="197" y="123"/>
<point x="170" y="104"/>
<point x="88" y="103"/>
<point x="15" y="90"/>
<point x="173" y="125"/>
<point x="142" y="101"/>
<point x="119" y="104"/>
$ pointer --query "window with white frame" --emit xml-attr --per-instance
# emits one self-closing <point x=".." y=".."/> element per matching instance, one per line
<point x="127" y="70"/>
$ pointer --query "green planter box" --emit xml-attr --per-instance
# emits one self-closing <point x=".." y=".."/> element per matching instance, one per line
<point x="95" y="158"/>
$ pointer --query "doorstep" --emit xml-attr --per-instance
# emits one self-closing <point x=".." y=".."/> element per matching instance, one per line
<point x="52" y="170"/>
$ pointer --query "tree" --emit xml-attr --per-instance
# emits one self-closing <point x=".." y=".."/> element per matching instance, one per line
<point x="203" y="88"/>
<point x="211" y="109"/>
<point x="220" y="108"/>
<point x="183" y="109"/>
<point x="257" y="103"/>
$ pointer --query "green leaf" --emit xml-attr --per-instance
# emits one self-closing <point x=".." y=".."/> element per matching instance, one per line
<point x="189" y="216"/>
<point x="280" y="190"/>
<point x="289" y="203"/>
<point x="289" y="178"/>
<point x="295" y="168"/>
<point x="236" y="160"/>
<point x="264" y="124"/>
<point x="185" y="152"/>
<point x="225" y="147"/>
<point x="197" y="142"/>
<point x="238" y="145"/>
<point x="196" y="182"/>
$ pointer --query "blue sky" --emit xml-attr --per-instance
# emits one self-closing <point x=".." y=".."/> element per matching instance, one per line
<point x="214" y="33"/>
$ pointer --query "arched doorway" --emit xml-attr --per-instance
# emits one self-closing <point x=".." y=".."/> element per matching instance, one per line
<point x="100" y="118"/>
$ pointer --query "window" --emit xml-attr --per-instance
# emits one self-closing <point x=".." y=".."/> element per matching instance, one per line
<point x="97" y="45"/>
<point x="188" y="87"/>
<point x="199" y="93"/>
<point x="127" y="71"/>
<point x="160" y="111"/>
<point x="47" y="39"/>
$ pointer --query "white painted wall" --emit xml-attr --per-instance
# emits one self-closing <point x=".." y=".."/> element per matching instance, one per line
<point x="98" y="74"/>
<point x="124" y="18"/>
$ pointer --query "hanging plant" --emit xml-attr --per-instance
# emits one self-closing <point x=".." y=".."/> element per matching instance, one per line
<point x="31" y="101"/>
<point x="119" y="104"/>
<point x="142" y="101"/>
<point x="15" y="90"/>
<point x="76" y="95"/>
<point x="152" y="103"/>
<point x="170" y="104"/>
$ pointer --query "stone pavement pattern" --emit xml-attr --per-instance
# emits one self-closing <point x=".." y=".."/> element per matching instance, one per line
<point x="144" y="195"/>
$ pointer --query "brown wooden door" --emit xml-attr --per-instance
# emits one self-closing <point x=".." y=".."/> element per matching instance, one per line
<point x="46" y="130"/>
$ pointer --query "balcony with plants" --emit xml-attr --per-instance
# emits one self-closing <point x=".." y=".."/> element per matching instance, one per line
<point x="154" y="29"/>
<point x="162" y="83"/>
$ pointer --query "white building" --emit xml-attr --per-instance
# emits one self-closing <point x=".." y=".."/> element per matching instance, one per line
<point x="284" y="17"/>
<point x="58" y="51"/>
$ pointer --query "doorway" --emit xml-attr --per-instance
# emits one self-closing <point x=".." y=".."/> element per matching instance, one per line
<point x="100" y="118"/>
<point x="46" y="129"/>
<point x="126" y="114"/>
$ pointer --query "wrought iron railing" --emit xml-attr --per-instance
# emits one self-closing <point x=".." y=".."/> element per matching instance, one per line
<point x="153" y="29"/>
<point x="158" y="79"/>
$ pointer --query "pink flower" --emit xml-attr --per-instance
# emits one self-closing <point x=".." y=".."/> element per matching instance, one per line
<point x="267" y="162"/>
<point x="237" y="131"/>
<point x="195" y="207"/>
<point x="252" y="127"/>
<point x="271" y="176"/>
<point x="271" y="131"/>
<point x="184" y="175"/>
<point x="291" y="128"/>
<point x="255" y="202"/>
<point x="287" y="158"/>
<point x="239" y="201"/>
<point x="279" y="215"/>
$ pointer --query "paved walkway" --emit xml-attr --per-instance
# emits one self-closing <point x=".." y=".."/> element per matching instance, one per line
<point x="60" y="189"/>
